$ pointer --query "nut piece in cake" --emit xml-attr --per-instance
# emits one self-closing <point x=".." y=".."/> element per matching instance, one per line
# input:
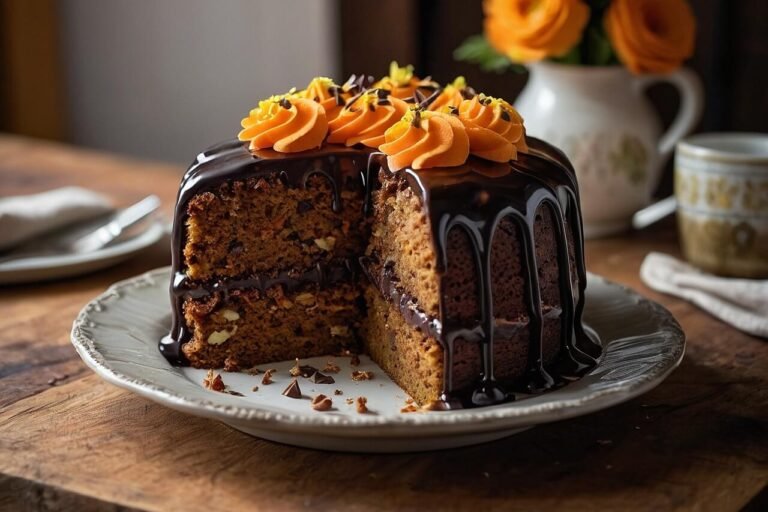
<point x="230" y="315"/>
<point x="219" y="337"/>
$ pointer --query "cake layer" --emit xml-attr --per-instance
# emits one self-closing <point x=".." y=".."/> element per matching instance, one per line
<point x="415" y="360"/>
<point x="260" y="224"/>
<point x="246" y="327"/>
<point x="402" y="238"/>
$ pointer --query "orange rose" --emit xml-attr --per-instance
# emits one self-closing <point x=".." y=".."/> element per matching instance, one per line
<point x="651" y="36"/>
<point x="530" y="30"/>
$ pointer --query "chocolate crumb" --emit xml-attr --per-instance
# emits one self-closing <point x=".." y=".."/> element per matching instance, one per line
<point x="359" y="375"/>
<point x="350" y="401"/>
<point x="233" y="392"/>
<point x="56" y="379"/>
<point x="355" y="360"/>
<point x="320" y="378"/>
<point x="305" y="371"/>
<point x="434" y="405"/>
<point x="267" y="379"/>
<point x="331" y="367"/>
<point x="255" y="388"/>
<point x="505" y="115"/>
<point x="252" y="371"/>
<point x="322" y="403"/>
<point x="285" y="103"/>
<point x="213" y="381"/>
<point x="338" y="392"/>
<point x="304" y="206"/>
<point x="293" y="390"/>
<point x="362" y="405"/>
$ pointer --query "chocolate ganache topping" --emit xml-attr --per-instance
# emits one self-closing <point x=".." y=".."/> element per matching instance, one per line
<point x="473" y="195"/>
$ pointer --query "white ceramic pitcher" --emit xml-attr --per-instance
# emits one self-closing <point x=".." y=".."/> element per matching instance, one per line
<point x="601" y="119"/>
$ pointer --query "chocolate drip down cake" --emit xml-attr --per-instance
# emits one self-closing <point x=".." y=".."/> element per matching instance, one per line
<point x="414" y="222"/>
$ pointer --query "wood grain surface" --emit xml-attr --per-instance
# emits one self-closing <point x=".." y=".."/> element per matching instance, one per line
<point x="69" y="441"/>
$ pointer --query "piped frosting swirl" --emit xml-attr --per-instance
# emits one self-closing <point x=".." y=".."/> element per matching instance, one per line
<point x="287" y="123"/>
<point x="365" y="118"/>
<point x="328" y="94"/>
<point x="402" y="83"/>
<point x="423" y="139"/>
<point x="452" y="95"/>
<point x="440" y="130"/>
<point x="494" y="127"/>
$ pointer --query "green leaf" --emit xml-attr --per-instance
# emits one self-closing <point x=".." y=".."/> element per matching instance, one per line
<point x="599" y="4"/>
<point x="572" y="57"/>
<point x="599" y="49"/>
<point x="475" y="49"/>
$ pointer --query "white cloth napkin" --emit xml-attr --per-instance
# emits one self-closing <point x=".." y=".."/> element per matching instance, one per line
<point x="743" y="303"/>
<point x="25" y="217"/>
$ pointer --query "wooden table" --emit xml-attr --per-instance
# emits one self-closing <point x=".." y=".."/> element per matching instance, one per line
<point x="68" y="440"/>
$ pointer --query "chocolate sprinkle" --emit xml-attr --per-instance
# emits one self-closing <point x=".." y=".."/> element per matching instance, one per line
<point x="285" y="103"/>
<point x="505" y="115"/>
<point x="467" y="93"/>
<point x="416" y="118"/>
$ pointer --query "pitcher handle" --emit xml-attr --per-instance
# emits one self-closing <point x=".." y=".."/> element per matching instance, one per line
<point x="691" y="106"/>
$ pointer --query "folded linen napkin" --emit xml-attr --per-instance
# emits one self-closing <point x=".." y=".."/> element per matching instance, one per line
<point x="25" y="217"/>
<point x="743" y="303"/>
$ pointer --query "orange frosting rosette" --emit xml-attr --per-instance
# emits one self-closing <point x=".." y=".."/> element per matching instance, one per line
<point x="452" y="95"/>
<point x="494" y="127"/>
<point x="423" y="139"/>
<point x="365" y="118"/>
<point x="287" y="123"/>
<point x="531" y="30"/>
<point x="328" y="94"/>
<point x="651" y="36"/>
<point x="401" y="82"/>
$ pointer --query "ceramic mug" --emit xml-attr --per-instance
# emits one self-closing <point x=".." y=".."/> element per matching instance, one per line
<point x="721" y="186"/>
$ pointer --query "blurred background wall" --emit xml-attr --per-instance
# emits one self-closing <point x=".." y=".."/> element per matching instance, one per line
<point x="163" y="79"/>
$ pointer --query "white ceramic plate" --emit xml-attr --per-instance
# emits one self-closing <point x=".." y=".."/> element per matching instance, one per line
<point x="27" y="270"/>
<point x="117" y="334"/>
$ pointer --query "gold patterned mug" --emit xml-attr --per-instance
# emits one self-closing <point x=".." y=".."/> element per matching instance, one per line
<point x="721" y="185"/>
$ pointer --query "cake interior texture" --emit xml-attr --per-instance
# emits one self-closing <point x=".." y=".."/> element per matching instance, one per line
<point x="462" y="286"/>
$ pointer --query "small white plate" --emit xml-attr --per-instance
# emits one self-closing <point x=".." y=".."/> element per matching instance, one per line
<point x="117" y="334"/>
<point x="55" y="266"/>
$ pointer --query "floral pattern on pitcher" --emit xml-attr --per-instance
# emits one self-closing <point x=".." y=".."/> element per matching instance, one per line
<point x="595" y="156"/>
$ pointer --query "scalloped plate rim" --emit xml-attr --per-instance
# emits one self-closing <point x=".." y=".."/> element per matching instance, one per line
<point x="509" y="416"/>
